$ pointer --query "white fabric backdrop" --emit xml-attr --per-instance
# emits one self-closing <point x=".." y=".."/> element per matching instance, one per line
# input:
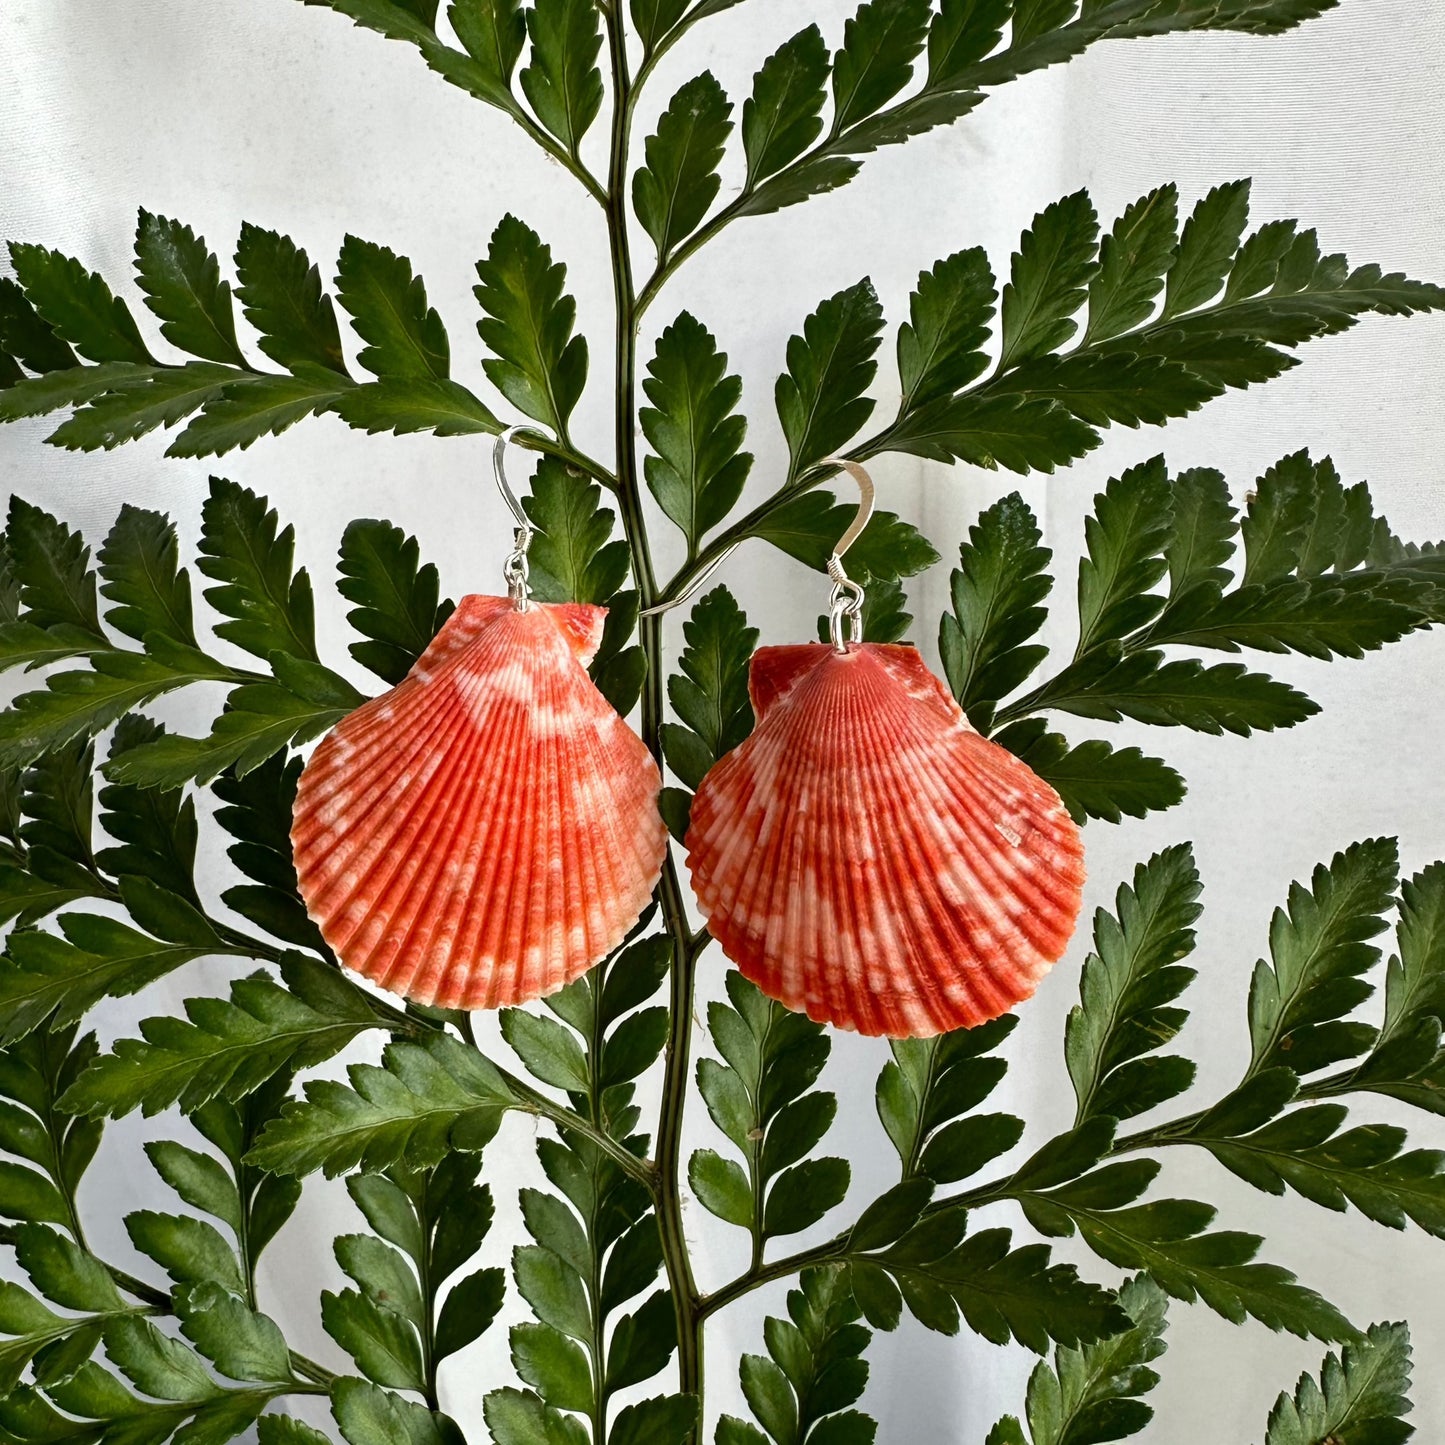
<point x="238" y="109"/>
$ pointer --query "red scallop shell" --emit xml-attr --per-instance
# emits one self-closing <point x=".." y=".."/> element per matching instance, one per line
<point x="868" y="858"/>
<point x="487" y="830"/>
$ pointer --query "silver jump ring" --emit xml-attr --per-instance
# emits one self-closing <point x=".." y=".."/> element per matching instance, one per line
<point x="845" y="614"/>
<point x="515" y="570"/>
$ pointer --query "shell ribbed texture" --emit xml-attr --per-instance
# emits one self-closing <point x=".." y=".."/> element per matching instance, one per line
<point x="868" y="858"/>
<point x="488" y="830"/>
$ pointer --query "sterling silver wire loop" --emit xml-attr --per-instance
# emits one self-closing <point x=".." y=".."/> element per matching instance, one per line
<point x="846" y="603"/>
<point x="693" y="585"/>
<point x="514" y="569"/>
<point x="845" y="610"/>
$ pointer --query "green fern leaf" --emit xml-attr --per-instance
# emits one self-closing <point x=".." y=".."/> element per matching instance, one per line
<point x="44" y="975"/>
<point x="697" y="469"/>
<point x="1125" y="537"/>
<point x="1133" y="259"/>
<point x="69" y="386"/>
<point x="228" y="1047"/>
<point x="1167" y="1238"/>
<point x="80" y="703"/>
<point x="397" y="611"/>
<point x="387" y="304"/>
<point x="182" y="281"/>
<point x="1092" y="1394"/>
<point x="1365" y="1167"/>
<point x="1051" y="270"/>
<point x="78" y="305"/>
<point x="141" y="575"/>
<point x="561" y="81"/>
<point x="1359" y="1397"/>
<point x="246" y="411"/>
<point x="1093" y="779"/>
<point x="813" y="1371"/>
<point x="155" y="832"/>
<point x="926" y="1097"/>
<point x="807" y="525"/>
<point x="1319" y="952"/>
<point x="51" y="565"/>
<point x="948" y="1277"/>
<point x="1407" y="1061"/>
<point x="35" y="1072"/>
<point x="782" y="116"/>
<point x="26" y="336"/>
<point x="246" y="550"/>
<point x="412" y="404"/>
<point x="821" y="399"/>
<point x="1219" y="699"/>
<point x="760" y="1097"/>
<point x="880" y="43"/>
<point x="423" y="1100"/>
<point x="260" y="720"/>
<point x="536" y="362"/>
<point x="1207" y="248"/>
<point x="1018" y="434"/>
<point x="656" y="18"/>
<point x="940" y="348"/>
<point x="709" y="693"/>
<point x="1128" y="986"/>
<point x="283" y="299"/>
<point x="256" y="810"/>
<point x="672" y="192"/>
<point x="575" y="558"/>
<point x="997" y="591"/>
<point x="139" y="406"/>
<point x="494" y="33"/>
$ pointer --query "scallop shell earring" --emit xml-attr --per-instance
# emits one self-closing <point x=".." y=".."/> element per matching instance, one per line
<point x="866" y="856"/>
<point x="488" y="830"/>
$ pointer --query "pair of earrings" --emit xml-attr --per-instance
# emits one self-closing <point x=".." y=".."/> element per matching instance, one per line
<point x="488" y="830"/>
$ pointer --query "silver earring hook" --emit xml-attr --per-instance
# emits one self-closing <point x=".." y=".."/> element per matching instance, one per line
<point x="854" y="593"/>
<point x="693" y="585"/>
<point x="514" y="569"/>
<point x="845" y="611"/>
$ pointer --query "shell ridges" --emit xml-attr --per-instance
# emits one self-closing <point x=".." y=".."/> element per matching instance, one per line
<point x="868" y="858"/>
<point x="486" y="831"/>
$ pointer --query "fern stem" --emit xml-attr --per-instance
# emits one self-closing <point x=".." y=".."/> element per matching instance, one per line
<point x="1171" y="1132"/>
<point x="428" y="1312"/>
<point x="784" y="1268"/>
<point x="597" y="1345"/>
<point x="669" y="1146"/>
<point x="565" y="1119"/>
<point x="160" y="1301"/>
<point x="554" y="148"/>
<point x="667" y="1179"/>
<point x="54" y="1128"/>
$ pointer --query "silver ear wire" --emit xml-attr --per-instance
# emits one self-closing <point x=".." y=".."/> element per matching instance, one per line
<point x="845" y="612"/>
<point x="847" y="600"/>
<point x="514" y="569"/>
<point x="692" y="586"/>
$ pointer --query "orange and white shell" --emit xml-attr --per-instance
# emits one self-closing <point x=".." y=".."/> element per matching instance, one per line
<point x="487" y="830"/>
<point x="870" y="859"/>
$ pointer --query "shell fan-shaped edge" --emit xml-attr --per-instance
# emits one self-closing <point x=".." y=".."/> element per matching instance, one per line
<point x="488" y="830"/>
<point x="868" y="858"/>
